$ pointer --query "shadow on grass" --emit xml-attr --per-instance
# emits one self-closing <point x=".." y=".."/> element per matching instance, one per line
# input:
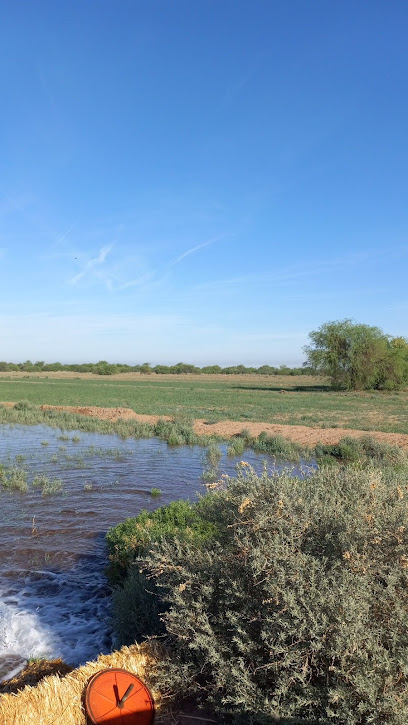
<point x="189" y="713"/>
<point x="282" y="721"/>
<point x="279" y="389"/>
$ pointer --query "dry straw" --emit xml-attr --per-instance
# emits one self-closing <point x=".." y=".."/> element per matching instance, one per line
<point x="59" y="700"/>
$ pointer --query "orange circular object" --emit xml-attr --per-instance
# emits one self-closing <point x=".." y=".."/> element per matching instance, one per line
<point x="117" y="697"/>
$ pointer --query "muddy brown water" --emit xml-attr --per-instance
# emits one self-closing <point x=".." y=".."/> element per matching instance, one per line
<point x="54" y="597"/>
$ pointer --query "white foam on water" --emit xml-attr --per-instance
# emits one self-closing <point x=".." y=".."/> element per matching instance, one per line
<point x="51" y="615"/>
<point x="21" y="633"/>
<point x="21" y="637"/>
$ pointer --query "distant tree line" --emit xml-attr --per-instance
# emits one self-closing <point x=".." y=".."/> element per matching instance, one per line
<point x="105" y="368"/>
<point x="351" y="355"/>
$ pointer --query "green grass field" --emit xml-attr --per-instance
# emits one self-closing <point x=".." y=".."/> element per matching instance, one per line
<point x="291" y="400"/>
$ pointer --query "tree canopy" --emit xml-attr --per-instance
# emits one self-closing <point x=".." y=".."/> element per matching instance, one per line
<point x="358" y="357"/>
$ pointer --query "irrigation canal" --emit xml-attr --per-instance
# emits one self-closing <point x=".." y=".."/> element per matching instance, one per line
<point x="54" y="597"/>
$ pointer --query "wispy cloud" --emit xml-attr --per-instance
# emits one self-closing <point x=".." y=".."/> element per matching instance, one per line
<point x="110" y="270"/>
<point x="196" y="248"/>
<point x="61" y="239"/>
<point x="237" y="86"/>
<point x="234" y="90"/>
<point x="91" y="264"/>
<point x="121" y="267"/>
<point x="143" y="279"/>
<point x="286" y="275"/>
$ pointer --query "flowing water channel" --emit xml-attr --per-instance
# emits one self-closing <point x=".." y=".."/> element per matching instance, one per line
<point x="54" y="597"/>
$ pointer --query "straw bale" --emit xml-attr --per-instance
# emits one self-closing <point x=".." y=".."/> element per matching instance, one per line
<point x="59" y="700"/>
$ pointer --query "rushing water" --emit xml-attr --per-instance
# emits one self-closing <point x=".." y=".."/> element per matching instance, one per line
<point x="54" y="598"/>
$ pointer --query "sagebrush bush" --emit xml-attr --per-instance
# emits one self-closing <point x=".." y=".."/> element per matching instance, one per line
<point x="297" y="610"/>
<point x="136" y="609"/>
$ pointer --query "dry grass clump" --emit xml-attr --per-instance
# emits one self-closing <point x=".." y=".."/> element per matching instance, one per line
<point x="59" y="701"/>
<point x="34" y="671"/>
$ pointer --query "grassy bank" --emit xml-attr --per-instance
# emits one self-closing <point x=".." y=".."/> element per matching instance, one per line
<point x="297" y="401"/>
<point x="180" y="431"/>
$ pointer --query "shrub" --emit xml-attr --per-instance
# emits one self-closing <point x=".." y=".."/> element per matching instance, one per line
<point x="348" y="450"/>
<point x="278" y="446"/>
<point x="236" y="447"/>
<point x="136" y="604"/>
<point x="213" y="455"/>
<point x="246" y="436"/>
<point x="131" y="539"/>
<point x="136" y="609"/>
<point x="175" y="439"/>
<point x="176" y="432"/>
<point x="104" y="368"/>
<point x="212" y="461"/>
<point x="363" y="451"/>
<point x="296" y="611"/>
<point x="23" y="405"/>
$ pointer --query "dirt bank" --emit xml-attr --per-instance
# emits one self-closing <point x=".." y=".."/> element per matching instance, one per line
<point x="227" y="428"/>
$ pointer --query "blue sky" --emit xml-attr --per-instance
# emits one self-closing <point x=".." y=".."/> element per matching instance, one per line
<point x="200" y="180"/>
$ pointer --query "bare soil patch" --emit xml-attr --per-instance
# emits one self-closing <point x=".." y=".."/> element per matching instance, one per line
<point x="112" y="414"/>
<point x="305" y="435"/>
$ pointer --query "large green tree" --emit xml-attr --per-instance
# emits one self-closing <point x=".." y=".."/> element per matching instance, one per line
<point x="358" y="357"/>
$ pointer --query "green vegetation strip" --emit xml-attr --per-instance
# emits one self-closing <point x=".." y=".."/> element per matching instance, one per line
<point x="295" y="401"/>
<point x="180" y="431"/>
